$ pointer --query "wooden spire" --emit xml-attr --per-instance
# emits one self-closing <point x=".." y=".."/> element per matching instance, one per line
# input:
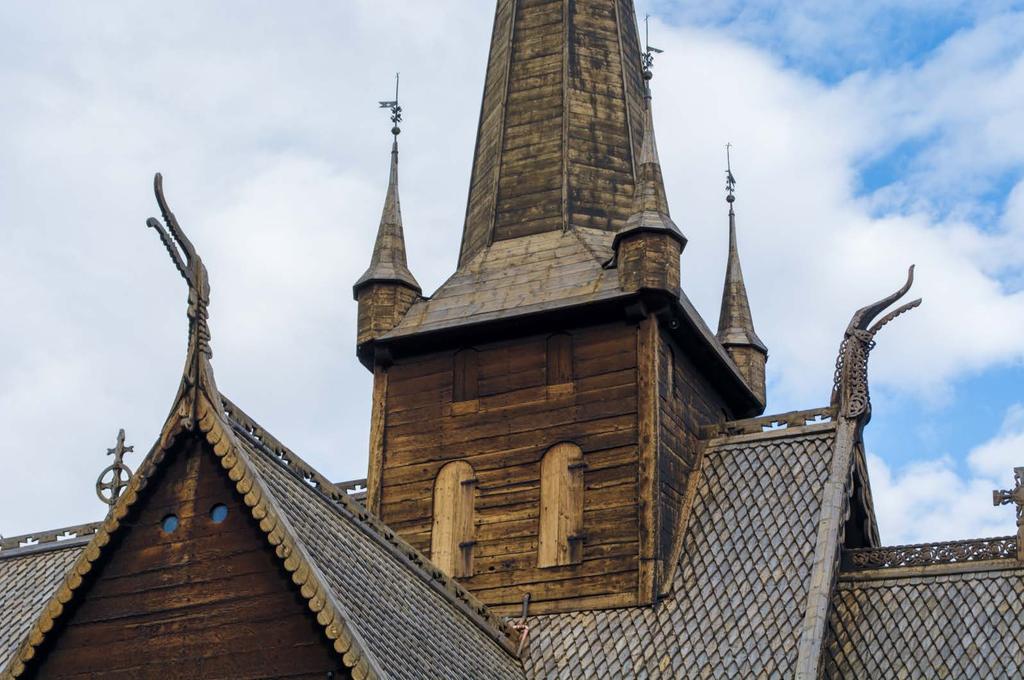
<point x="650" y="205"/>
<point x="559" y="124"/>
<point x="388" y="262"/>
<point x="735" y="324"/>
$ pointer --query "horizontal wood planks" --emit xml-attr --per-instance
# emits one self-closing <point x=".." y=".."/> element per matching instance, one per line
<point x="208" y="600"/>
<point x="504" y="435"/>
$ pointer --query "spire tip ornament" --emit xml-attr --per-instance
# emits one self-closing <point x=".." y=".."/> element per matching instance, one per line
<point x="647" y="58"/>
<point x="396" y="110"/>
<point x="730" y="179"/>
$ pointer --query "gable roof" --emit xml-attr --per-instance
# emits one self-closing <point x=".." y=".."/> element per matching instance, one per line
<point x="746" y="566"/>
<point x="398" y="606"/>
<point x="273" y="497"/>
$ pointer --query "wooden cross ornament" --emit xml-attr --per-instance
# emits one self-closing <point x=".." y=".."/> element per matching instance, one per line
<point x="1015" y="495"/>
<point x="114" y="478"/>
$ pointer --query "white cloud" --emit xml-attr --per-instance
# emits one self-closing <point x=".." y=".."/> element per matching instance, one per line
<point x="931" y="500"/>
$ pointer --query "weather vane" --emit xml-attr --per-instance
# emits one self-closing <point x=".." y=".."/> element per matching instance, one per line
<point x="649" y="52"/>
<point x="730" y="179"/>
<point x="396" y="110"/>
<point x="114" y="478"/>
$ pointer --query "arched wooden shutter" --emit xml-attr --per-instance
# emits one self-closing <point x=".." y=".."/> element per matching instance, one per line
<point x="560" y="359"/>
<point x="561" y="506"/>
<point x="452" y="537"/>
<point x="465" y="382"/>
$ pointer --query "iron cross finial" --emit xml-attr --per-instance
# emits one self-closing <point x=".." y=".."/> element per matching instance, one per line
<point x="396" y="110"/>
<point x="649" y="51"/>
<point x="730" y="179"/>
<point x="1015" y="495"/>
<point x="114" y="478"/>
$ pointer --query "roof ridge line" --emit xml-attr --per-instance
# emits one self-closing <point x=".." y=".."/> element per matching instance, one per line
<point x="457" y="595"/>
<point x="770" y="423"/>
<point x="50" y="538"/>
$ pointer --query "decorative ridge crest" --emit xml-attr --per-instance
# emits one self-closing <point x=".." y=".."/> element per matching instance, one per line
<point x="926" y="554"/>
<point x="850" y="389"/>
<point x="55" y="539"/>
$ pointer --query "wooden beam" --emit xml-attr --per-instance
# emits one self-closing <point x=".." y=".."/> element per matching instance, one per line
<point x="378" y="422"/>
<point x="648" y="431"/>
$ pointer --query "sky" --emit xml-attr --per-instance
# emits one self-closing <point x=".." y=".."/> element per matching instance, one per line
<point x="867" y="136"/>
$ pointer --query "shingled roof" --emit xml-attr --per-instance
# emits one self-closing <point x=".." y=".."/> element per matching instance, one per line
<point x="28" y="578"/>
<point x="745" y="567"/>
<point x="964" y="622"/>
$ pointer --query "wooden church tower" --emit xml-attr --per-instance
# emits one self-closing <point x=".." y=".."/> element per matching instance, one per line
<point x="535" y="421"/>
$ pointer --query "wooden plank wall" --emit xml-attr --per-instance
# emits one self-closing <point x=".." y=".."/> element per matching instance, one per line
<point x="688" y="402"/>
<point x="503" y="435"/>
<point x="206" y="601"/>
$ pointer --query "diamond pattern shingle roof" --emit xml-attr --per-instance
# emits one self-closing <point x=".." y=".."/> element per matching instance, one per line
<point x="741" y="588"/>
<point x="27" y="581"/>
<point x="957" y="625"/>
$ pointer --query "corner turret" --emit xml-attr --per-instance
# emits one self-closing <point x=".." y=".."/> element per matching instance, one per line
<point x="735" y="325"/>
<point x="387" y="289"/>
<point x="649" y="245"/>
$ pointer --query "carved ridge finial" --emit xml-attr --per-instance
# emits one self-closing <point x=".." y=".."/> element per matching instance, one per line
<point x="850" y="388"/>
<point x="189" y="265"/>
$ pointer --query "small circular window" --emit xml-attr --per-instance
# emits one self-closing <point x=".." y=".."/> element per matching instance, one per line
<point x="169" y="524"/>
<point x="219" y="513"/>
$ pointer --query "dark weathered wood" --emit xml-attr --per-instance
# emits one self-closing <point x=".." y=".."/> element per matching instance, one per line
<point x="559" y="359"/>
<point x="561" y="105"/>
<point x="515" y="421"/>
<point x="206" y="601"/>
<point x="378" y="419"/>
<point x="648" y="419"/>
<point x="465" y="381"/>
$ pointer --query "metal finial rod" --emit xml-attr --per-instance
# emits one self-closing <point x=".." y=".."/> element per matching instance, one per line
<point x="649" y="51"/>
<point x="396" y="109"/>
<point x="730" y="179"/>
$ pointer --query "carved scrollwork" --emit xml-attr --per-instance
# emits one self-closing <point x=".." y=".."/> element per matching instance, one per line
<point x="191" y="268"/>
<point x="925" y="554"/>
<point x="850" y="389"/>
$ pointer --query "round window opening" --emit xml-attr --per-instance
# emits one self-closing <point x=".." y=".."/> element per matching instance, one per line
<point x="169" y="524"/>
<point x="219" y="513"/>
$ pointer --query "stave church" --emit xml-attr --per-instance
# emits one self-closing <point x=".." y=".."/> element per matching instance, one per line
<point x="570" y="474"/>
